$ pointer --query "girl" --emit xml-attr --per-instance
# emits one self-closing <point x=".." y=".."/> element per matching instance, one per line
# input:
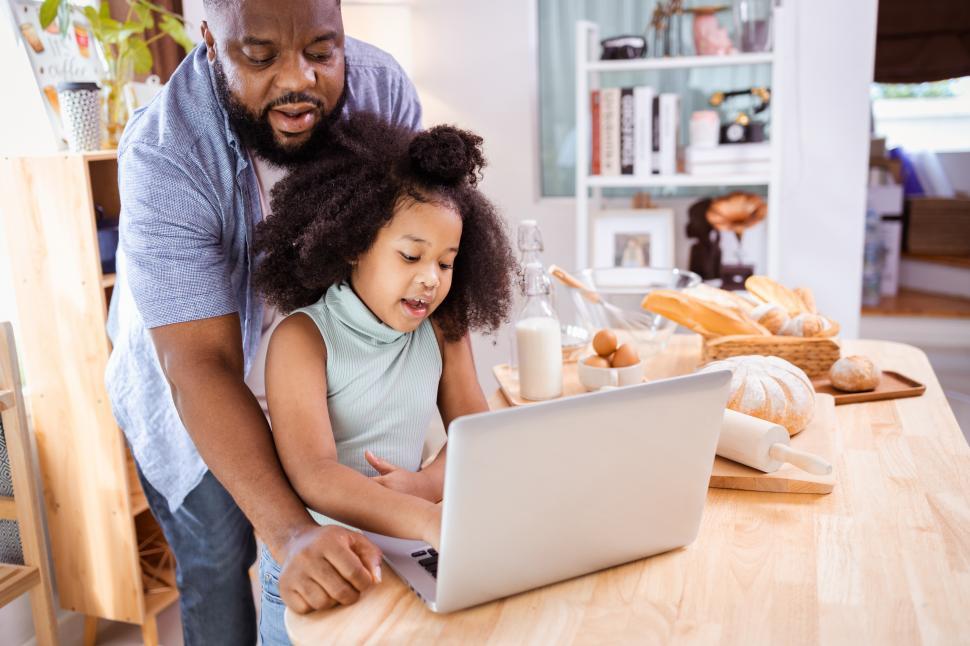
<point x="387" y="255"/>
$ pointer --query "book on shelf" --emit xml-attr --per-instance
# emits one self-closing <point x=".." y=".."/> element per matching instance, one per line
<point x="610" y="131"/>
<point x="634" y="131"/>
<point x="626" y="131"/>
<point x="595" y="167"/>
<point x="643" y="130"/>
<point x="669" y="132"/>
<point x="728" y="159"/>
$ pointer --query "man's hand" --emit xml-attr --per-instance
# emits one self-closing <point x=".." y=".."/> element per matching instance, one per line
<point x="409" y="482"/>
<point x="327" y="566"/>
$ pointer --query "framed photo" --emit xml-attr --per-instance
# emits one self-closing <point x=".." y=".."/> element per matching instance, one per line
<point x="634" y="238"/>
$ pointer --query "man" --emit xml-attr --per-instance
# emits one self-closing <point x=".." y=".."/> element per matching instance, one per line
<point x="195" y="171"/>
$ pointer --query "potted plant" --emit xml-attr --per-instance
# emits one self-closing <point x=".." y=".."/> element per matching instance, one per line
<point x="124" y="45"/>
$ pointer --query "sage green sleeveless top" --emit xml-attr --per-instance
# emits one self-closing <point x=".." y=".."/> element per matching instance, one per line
<point x="382" y="384"/>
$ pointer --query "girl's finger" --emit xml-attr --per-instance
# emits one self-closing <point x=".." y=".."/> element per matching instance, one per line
<point x="383" y="466"/>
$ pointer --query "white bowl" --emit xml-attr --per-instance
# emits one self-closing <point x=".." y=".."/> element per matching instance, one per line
<point x="594" y="378"/>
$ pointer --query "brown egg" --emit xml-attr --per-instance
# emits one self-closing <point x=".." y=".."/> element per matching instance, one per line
<point x="625" y="355"/>
<point x="604" y="343"/>
<point x="596" y="361"/>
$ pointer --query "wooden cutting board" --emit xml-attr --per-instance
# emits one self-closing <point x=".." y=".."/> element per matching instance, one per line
<point x="818" y="438"/>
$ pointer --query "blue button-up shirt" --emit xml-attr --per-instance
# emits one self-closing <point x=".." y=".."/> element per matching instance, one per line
<point x="189" y="202"/>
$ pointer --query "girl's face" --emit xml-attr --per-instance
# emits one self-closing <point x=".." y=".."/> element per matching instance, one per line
<point x="406" y="273"/>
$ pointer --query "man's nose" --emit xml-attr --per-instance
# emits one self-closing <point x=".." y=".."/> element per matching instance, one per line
<point x="296" y="74"/>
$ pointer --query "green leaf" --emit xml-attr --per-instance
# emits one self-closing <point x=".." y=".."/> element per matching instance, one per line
<point x="48" y="11"/>
<point x="176" y="29"/>
<point x="104" y="9"/>
<point x="141" y="55"/>
<point x="144" y="15"/>
<point x="92" y="15"/>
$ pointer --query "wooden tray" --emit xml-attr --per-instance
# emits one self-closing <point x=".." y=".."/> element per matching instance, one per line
<point x="508" y="383"/>
<point x="818" y="438"/>
<point x="892" y="386"/>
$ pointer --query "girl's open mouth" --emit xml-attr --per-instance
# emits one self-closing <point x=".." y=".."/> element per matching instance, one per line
<point x="415" y="307"/>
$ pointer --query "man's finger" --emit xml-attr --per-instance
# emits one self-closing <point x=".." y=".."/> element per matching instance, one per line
<point x="349" y="566"/>
<point x="370" y="555"/>
<point x="316" y="597"/>
<point x="383" y="467"/>
<point x="295" y="601"/>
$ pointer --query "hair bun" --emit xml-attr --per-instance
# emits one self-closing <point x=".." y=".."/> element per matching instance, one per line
<point x="447" y="155"/>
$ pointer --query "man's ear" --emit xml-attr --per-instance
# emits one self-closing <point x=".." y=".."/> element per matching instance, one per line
<point x="209" y="40"/>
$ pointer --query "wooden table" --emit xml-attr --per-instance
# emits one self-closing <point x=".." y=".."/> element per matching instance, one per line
<point x="884" y="558"/>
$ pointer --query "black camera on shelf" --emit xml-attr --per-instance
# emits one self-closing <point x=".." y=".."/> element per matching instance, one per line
<point x="743" y="129"/>
<point x="623" y="47"/>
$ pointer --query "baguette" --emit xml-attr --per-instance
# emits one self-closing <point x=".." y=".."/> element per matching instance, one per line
<point x="770" y="291"/>
<point x="700" y="316"/>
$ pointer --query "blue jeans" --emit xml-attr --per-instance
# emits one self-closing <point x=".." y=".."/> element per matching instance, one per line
<point x="214" y="547"/>
<point x="272" y="630"/>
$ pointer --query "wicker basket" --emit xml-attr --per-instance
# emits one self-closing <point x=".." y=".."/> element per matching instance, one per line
<point x="813" y="355"/>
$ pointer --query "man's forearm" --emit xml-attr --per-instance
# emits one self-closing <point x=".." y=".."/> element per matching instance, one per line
<point x="232" y="435"/>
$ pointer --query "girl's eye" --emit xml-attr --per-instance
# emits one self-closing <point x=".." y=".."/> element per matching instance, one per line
<point x="408" y="258"/>
<point x="446" y="267"/>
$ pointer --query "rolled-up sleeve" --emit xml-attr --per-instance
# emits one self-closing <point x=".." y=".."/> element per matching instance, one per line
<point x="171" y="237"/>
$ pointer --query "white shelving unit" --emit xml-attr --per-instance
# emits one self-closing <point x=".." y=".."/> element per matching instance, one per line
<point x="589" y="187"/>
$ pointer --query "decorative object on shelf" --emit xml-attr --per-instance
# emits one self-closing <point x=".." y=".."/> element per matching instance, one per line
<point x="623" y="47"/>
<point x="80" y="106"/>
<point x="736" y="212"/>
<point x="107" y="239"/>
<point x="667" y="25"/>
<point x="743" y="128"/>
<point x="736" y="159"/>
<point x="752" y="20"/>
<point x="710" y="39"/>
<point x="124" y="46"/>
<point x="705" y="127"/>
<point x="705" y="254"/>
<point x="55" y="58"/>
<point x="635" y="238"/>
<point x="642" y="200"/>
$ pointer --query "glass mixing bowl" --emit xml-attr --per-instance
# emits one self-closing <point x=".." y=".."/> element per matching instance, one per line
<point x="624" y="288"/>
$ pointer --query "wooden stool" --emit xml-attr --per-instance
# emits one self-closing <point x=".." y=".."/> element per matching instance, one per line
<point x="24" y="507"/>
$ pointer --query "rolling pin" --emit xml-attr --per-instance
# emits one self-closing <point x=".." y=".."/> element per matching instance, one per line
<point x="764" y="446"/>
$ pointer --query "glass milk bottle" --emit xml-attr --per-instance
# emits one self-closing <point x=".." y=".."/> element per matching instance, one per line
<point x="529" y="240"/>
<point x="538" y="339"/>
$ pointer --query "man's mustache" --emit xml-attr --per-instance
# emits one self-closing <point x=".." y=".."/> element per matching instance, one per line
<point x="293" y="97"/>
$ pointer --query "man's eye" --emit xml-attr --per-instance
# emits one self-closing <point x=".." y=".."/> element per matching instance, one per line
<point x="260" y="61"/>
<point x="321" y="57"/>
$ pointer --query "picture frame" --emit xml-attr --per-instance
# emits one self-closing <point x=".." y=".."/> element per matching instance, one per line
<point x="633" y="238"/>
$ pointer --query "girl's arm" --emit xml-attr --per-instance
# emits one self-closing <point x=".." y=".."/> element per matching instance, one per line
<point x="296" y="392"/>
<point x="458" y="394"/>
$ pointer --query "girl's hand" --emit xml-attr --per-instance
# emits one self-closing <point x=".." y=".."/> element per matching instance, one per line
<point x="409" y="482"/>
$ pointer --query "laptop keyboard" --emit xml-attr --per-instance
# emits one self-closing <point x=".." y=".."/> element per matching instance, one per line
<point x="428" y="559"/>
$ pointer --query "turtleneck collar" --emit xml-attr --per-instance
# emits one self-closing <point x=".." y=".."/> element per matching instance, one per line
<point x="347" y="308"/>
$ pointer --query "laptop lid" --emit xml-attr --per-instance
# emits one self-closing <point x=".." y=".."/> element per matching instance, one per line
<point x="542" y="493"/>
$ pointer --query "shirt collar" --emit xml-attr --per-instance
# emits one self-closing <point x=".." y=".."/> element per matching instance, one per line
<point x="347" y="308"/>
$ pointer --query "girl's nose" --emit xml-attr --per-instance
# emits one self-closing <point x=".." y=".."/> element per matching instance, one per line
<point x="429" y="279"/>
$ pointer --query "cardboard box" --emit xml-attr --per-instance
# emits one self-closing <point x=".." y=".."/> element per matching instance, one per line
<point x="938" y="226"/>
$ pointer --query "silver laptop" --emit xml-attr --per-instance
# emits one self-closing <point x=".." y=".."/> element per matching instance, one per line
<point x="541" y="493"/>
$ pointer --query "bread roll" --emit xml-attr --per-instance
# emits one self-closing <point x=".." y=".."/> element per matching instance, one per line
<point x="771" y="316"/>
<point x="854" y="374"/>
<point x="769" y="388"/>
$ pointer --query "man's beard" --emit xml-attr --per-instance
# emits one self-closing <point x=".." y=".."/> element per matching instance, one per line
<point x="256" y="133"/>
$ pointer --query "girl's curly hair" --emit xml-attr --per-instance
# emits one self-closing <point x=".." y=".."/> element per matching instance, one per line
<point x="328" y="212"/>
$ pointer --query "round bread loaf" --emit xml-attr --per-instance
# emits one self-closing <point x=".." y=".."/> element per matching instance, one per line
<point x="769" y="388"/>
<point x="854" y="374"/>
